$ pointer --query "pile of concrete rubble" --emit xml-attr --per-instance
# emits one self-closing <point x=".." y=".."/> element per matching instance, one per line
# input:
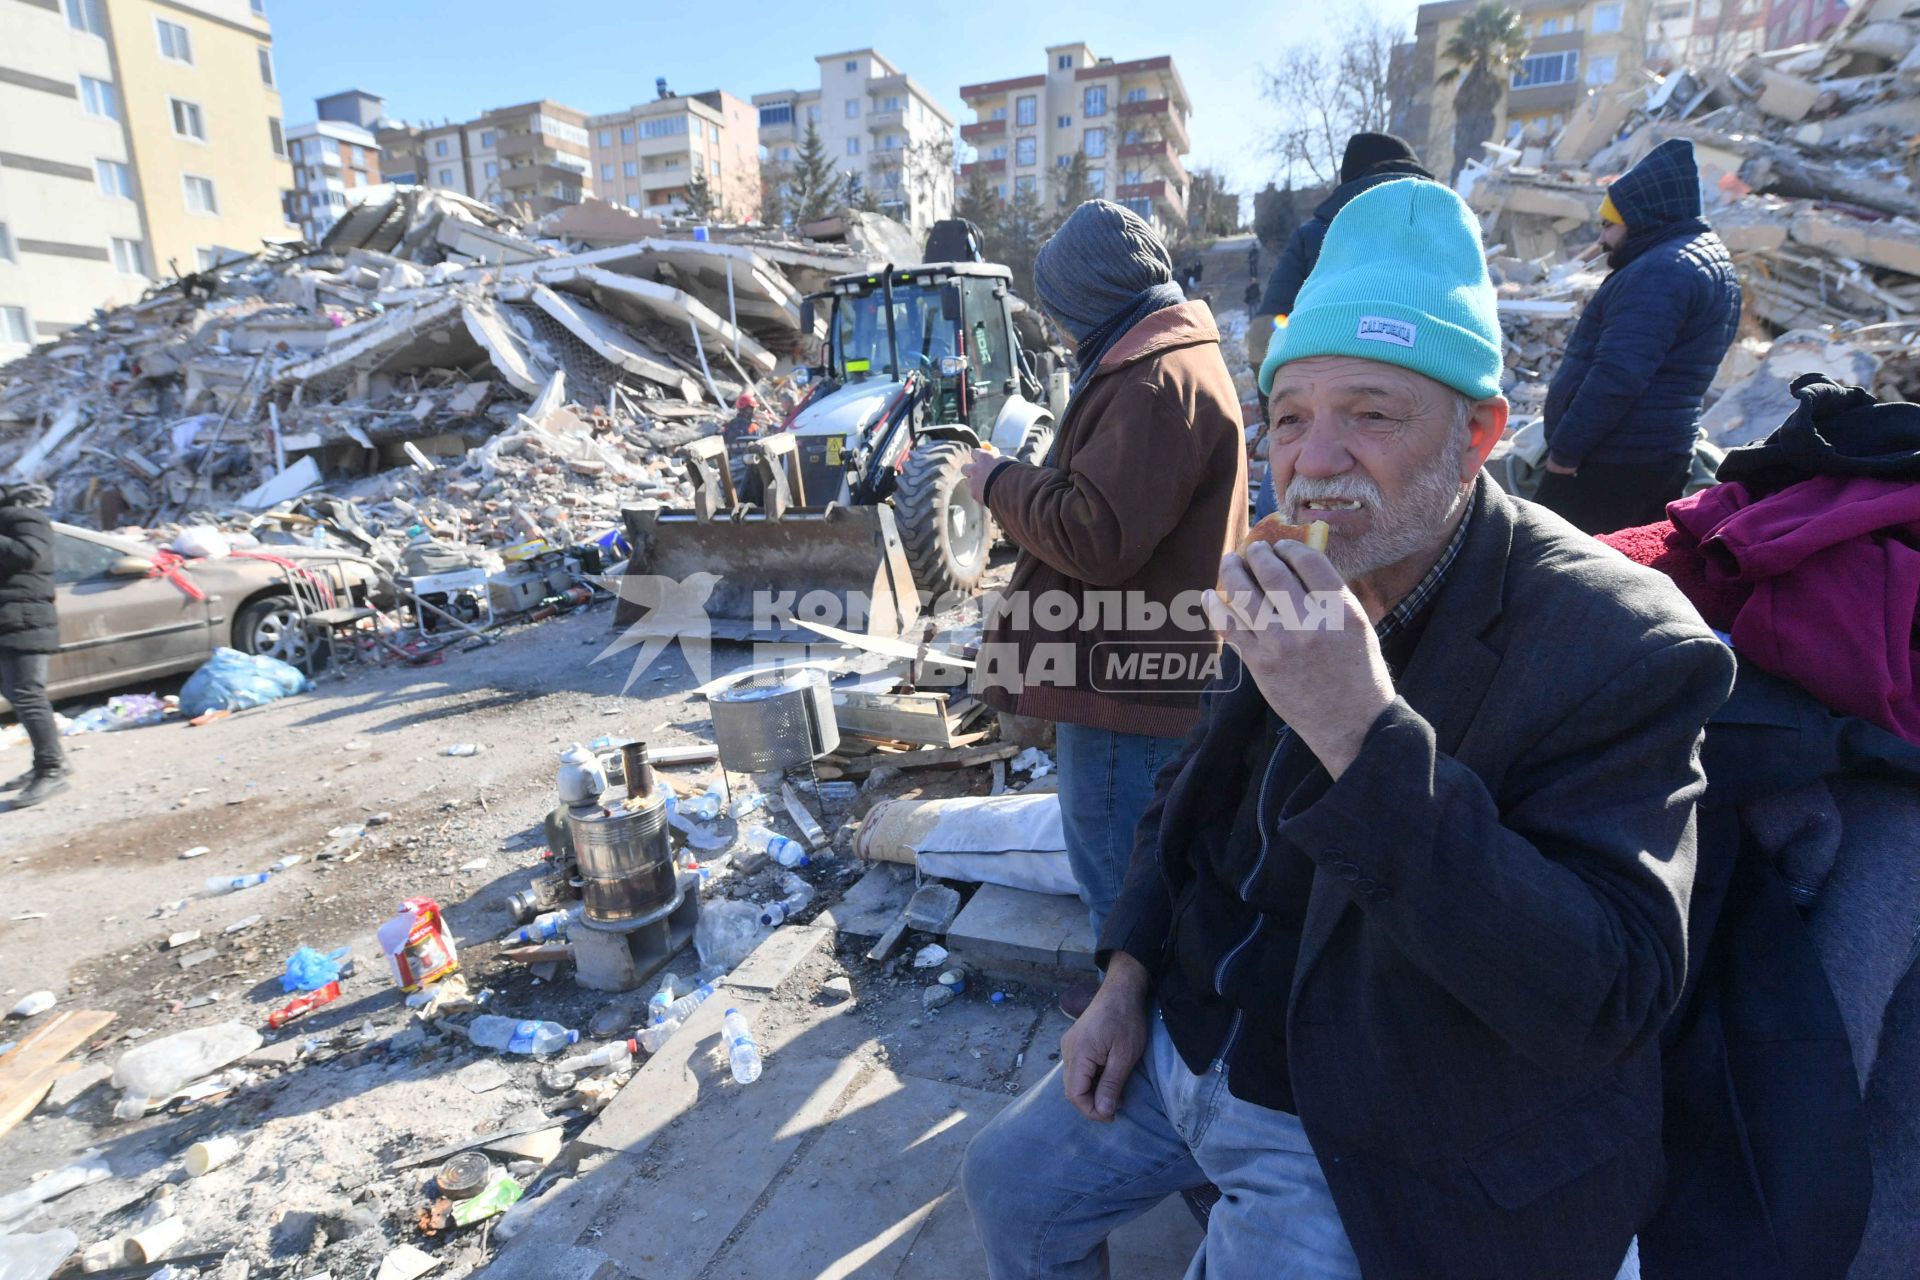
<point x="1809" y="159"/>
<point x="430" y="344"/>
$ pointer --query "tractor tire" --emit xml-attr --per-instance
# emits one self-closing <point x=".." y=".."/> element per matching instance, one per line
<point x="946" y="533"/>
<point x="1038" y="444"/>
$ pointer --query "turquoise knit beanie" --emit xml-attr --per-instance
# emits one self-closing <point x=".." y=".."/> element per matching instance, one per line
<point x="1401" y="279"/>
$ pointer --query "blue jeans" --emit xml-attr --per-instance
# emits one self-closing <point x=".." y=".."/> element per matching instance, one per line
<point x="1269" y="501"/>
<point x="1046" y="1185"/>
<point x="1106" y="783"/>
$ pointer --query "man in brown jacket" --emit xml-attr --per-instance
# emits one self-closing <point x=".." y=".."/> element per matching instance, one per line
<point x="1120" y="532"/>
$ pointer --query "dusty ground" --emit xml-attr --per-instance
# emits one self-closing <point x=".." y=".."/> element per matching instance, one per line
<point x="95" y="886"/>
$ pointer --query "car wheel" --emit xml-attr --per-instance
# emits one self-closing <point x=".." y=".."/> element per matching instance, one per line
<point x="271" y="625"/>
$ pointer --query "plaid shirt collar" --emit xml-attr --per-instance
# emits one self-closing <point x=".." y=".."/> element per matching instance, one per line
<point x="1423" y="592"/>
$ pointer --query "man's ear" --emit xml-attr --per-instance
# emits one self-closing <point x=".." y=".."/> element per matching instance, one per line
<point x="1485" y="425"/>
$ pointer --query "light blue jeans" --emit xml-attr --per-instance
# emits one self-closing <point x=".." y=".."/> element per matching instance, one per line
<point x="1046" y="1185"/>
<point x="1106" y="783"/>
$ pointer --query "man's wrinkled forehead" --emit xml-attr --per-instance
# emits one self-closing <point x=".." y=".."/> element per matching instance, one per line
<point x="1349" y="378"/>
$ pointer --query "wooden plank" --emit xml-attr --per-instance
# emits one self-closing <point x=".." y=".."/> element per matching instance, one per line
<point x="919" y="718"/>
<point x="29" y="1070"/>
<point x="952" y="758"/>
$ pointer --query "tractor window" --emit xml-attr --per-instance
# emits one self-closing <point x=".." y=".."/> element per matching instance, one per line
<point x="987" y="333"/>
<point x="919" y="326"/>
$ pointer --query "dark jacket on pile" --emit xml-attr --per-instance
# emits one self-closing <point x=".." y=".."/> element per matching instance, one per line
<point x="1495" y="929"/>
<point x="1834" y="430"/>
<point x="1303" y="246"/>
<point x="1629" y="387"/>
<point x="27" y="622"/>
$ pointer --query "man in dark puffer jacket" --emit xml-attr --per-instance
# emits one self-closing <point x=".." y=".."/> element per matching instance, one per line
<point x="1623" y="410"/>
<point x="29" y="634"/>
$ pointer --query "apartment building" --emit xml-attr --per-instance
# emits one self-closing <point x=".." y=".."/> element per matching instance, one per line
<point x="536" y="153"/>
<point x="138" y="138"/>
<point x="1129" y="119"/>
<point x="879" y="125"/>
<point x="645" y="156"/>
<point x="331" y="159"/>
<point x="1576" y="47"/>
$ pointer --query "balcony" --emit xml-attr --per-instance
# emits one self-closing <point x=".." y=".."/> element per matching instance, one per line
<point x="994" y="88"/>
<point x="1155" y="153"/>
<point x="1162" y="193"/>
<point x="1158" y="111"/>
<point x="514" y="146"/>
<point x="983" y="129"/>
<point x="886" y="121"/>
<point x="984" y="164"/>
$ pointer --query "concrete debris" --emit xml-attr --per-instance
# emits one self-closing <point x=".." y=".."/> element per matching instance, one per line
<point x="379" y="364"/>
<point x="1810" y="175"/>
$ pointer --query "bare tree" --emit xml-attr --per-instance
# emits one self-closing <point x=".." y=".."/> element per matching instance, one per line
<point x="1326" y="94"/>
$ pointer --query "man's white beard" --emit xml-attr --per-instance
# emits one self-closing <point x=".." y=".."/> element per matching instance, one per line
<point x="1395" y="533"/>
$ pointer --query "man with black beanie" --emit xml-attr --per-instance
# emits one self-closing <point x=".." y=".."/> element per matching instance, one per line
<point x="29" y="634"/>
<point x="1370" y="159"/>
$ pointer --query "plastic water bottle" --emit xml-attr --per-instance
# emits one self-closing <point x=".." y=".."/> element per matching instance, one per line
<point x="748" y="800"/>
<point x="616" y="1055"/>
<point x="545" y="927"/>
<point x="661" y="1000"/>
<point x="291" y="860"/>
<point x="515" y="1035"/>
<point x="658" y="1034"/>
<point x="217" y="885"/>
<point x="686" y="1004"/>
<point x="788" y="853"/>
<point x="741" y="1050"/>
<point x="799" y="894"/>
<point x="707" y="805"/>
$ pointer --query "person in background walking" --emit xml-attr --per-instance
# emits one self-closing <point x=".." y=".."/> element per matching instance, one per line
<point x="1623" y="411"/>
<point x="1370" y="159"/>
<point x="1145" y="490"/>
<point x="29" y="635"/>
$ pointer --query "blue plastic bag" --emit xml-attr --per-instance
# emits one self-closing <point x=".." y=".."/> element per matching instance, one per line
<point x="234" y="681"/>
<point x="308" y="970"/>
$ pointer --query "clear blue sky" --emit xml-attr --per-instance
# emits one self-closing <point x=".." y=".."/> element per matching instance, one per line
<point x="456" y="58"/>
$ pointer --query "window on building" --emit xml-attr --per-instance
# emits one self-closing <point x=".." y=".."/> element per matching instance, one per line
<point x="440" y="147"/>
<point x="663" y="128"/>
<point x="626" y="135"/>
<point x="1000" y="190"/>
<point x="1142" y="205"/>
<point x="266" y="65"/>
<point x="14" y="327"/>
<point x="813" y="114"/>
<point x="6" y="245"/>
<point x="1608" y="17"/>
<point x="631" y="168"/>
<point x="1095" y="144"/>
<point x="999" y="152"/>
<point x="998" y="113"/>
<point x="276" y="137"/>
<point x="1025" y="150"/>
<point x="187" y="120"/>
<point x="1708" y="9"/>
<point x="633" y="202"/>
<point x="493" y="169"/>
<point x="1603" y="69"/>
<point x="1547" y="27"/>
<point x="99" y="98"/>
<point x="1094" y="101"/>
<point x="127" y="257"/>
<point x="1097" y="181"/>
<point x="713" y="133"/>
<point x="786" y="155"/>
<point x="713" y="168"/>
<point x="1546" y="68"/>
<point x="853" y="146"/>
<point x="446" y="177"/>
<point x="87" y="16"/>
<point x="853" y="66"/>
<point x="606" y="137"/>
<point x="205" y="259"/>
<point x="200" y="194"/>
<point x="175" y="43"/>
<point x="606" y="173"/>
<point x="486" y="139"/>
<point x="359" y="156"/>
<point x="776" y="113"/>
<point x="1063" y="62"/>
<point x="853" y="108"/>
<point x="1136" y="95"/>
<point x="115" y="178"/>
<point x="890" y="103"/>
<point x="1026" y="111"/>
<point x="1063" y="122"/>
<point x="1024" y="185"/>
<point x="294" y="149"/>
<point x="1061" y="162"/>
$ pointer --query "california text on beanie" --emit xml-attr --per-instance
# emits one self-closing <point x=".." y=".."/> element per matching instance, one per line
<point x="1098" y="263"/>
<point x="1402" y="279"/>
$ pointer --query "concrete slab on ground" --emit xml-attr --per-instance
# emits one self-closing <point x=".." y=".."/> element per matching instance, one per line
<point x="1021" y="931"/>
<point x="775" y="959"/>
<point x="874" y="902"/>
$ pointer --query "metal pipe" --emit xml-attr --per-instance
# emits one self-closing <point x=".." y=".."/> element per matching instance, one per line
<point x="633" y="756"/>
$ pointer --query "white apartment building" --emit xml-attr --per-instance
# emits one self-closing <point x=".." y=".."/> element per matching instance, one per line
<point x="331" y="158"/>
<point x="645" y="156"/>
<point x="879" y="126"/>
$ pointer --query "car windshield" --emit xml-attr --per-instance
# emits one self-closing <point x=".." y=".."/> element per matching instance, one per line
<point x="860" y="332"/>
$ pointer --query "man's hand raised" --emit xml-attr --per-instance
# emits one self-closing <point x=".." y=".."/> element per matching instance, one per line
<point x="1100" y="1051"/>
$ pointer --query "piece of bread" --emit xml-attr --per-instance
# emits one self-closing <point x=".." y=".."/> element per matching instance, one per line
<point x="1274" y="529"/>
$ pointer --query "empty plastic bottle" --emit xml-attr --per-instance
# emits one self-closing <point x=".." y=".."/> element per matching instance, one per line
<point x="686" y="1004"/>
<point x="799" y="894"/>
<point x="748" y="800"/>
<point x="291" y="860"/>
<point x="661" y="1000"/>
<point x="707" y="805"/>
<point x="217" y="885"/>
<point x="741" y="1050"/>
<point x="616" y="1055"/>
<point x="788" y="853"/>
<point x="515" y="1035"/>
<point x="545" y="927"/>
<point x="658" y="1034"/>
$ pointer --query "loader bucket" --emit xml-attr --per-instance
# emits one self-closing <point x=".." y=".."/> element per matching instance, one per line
<point x="841" y="565"/>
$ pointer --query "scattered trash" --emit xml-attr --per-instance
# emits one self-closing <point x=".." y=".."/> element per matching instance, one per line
<point x="301" y="1006"/>
<point x="418" y="946"/>
<point x="499" y="1194"/>
<point x="36" y="1256"/>
<point x="208" y="1154"/>
<point x="727" y="933"/>
<point x="788" y="853"/>
<point x="1033" y="760"/>
<point x="309" y="970"/>
<point x="36" y="1003"/>
<point x="546" y="926"/>
<point x="742" y="1052"/>
<point x="464" y="1176"/>
<point x="242" y="924"/>
<point x="615" y="1055"/>
<point x="406" y="1263"/>
<point x="153" y="1072"/>
<point x="930" y="956"/>
<point x="195" y="852"/>
<point x="680" y="1009"/>
<point x="16" y="1206"/>
<point x="799" y="895"/>
<point x="217" y="885"/>
<point x="653" y="1037"/>
<point x="234" y="681"/>
<point x="519" y="1036"/>
<point x="462" y="749"/>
